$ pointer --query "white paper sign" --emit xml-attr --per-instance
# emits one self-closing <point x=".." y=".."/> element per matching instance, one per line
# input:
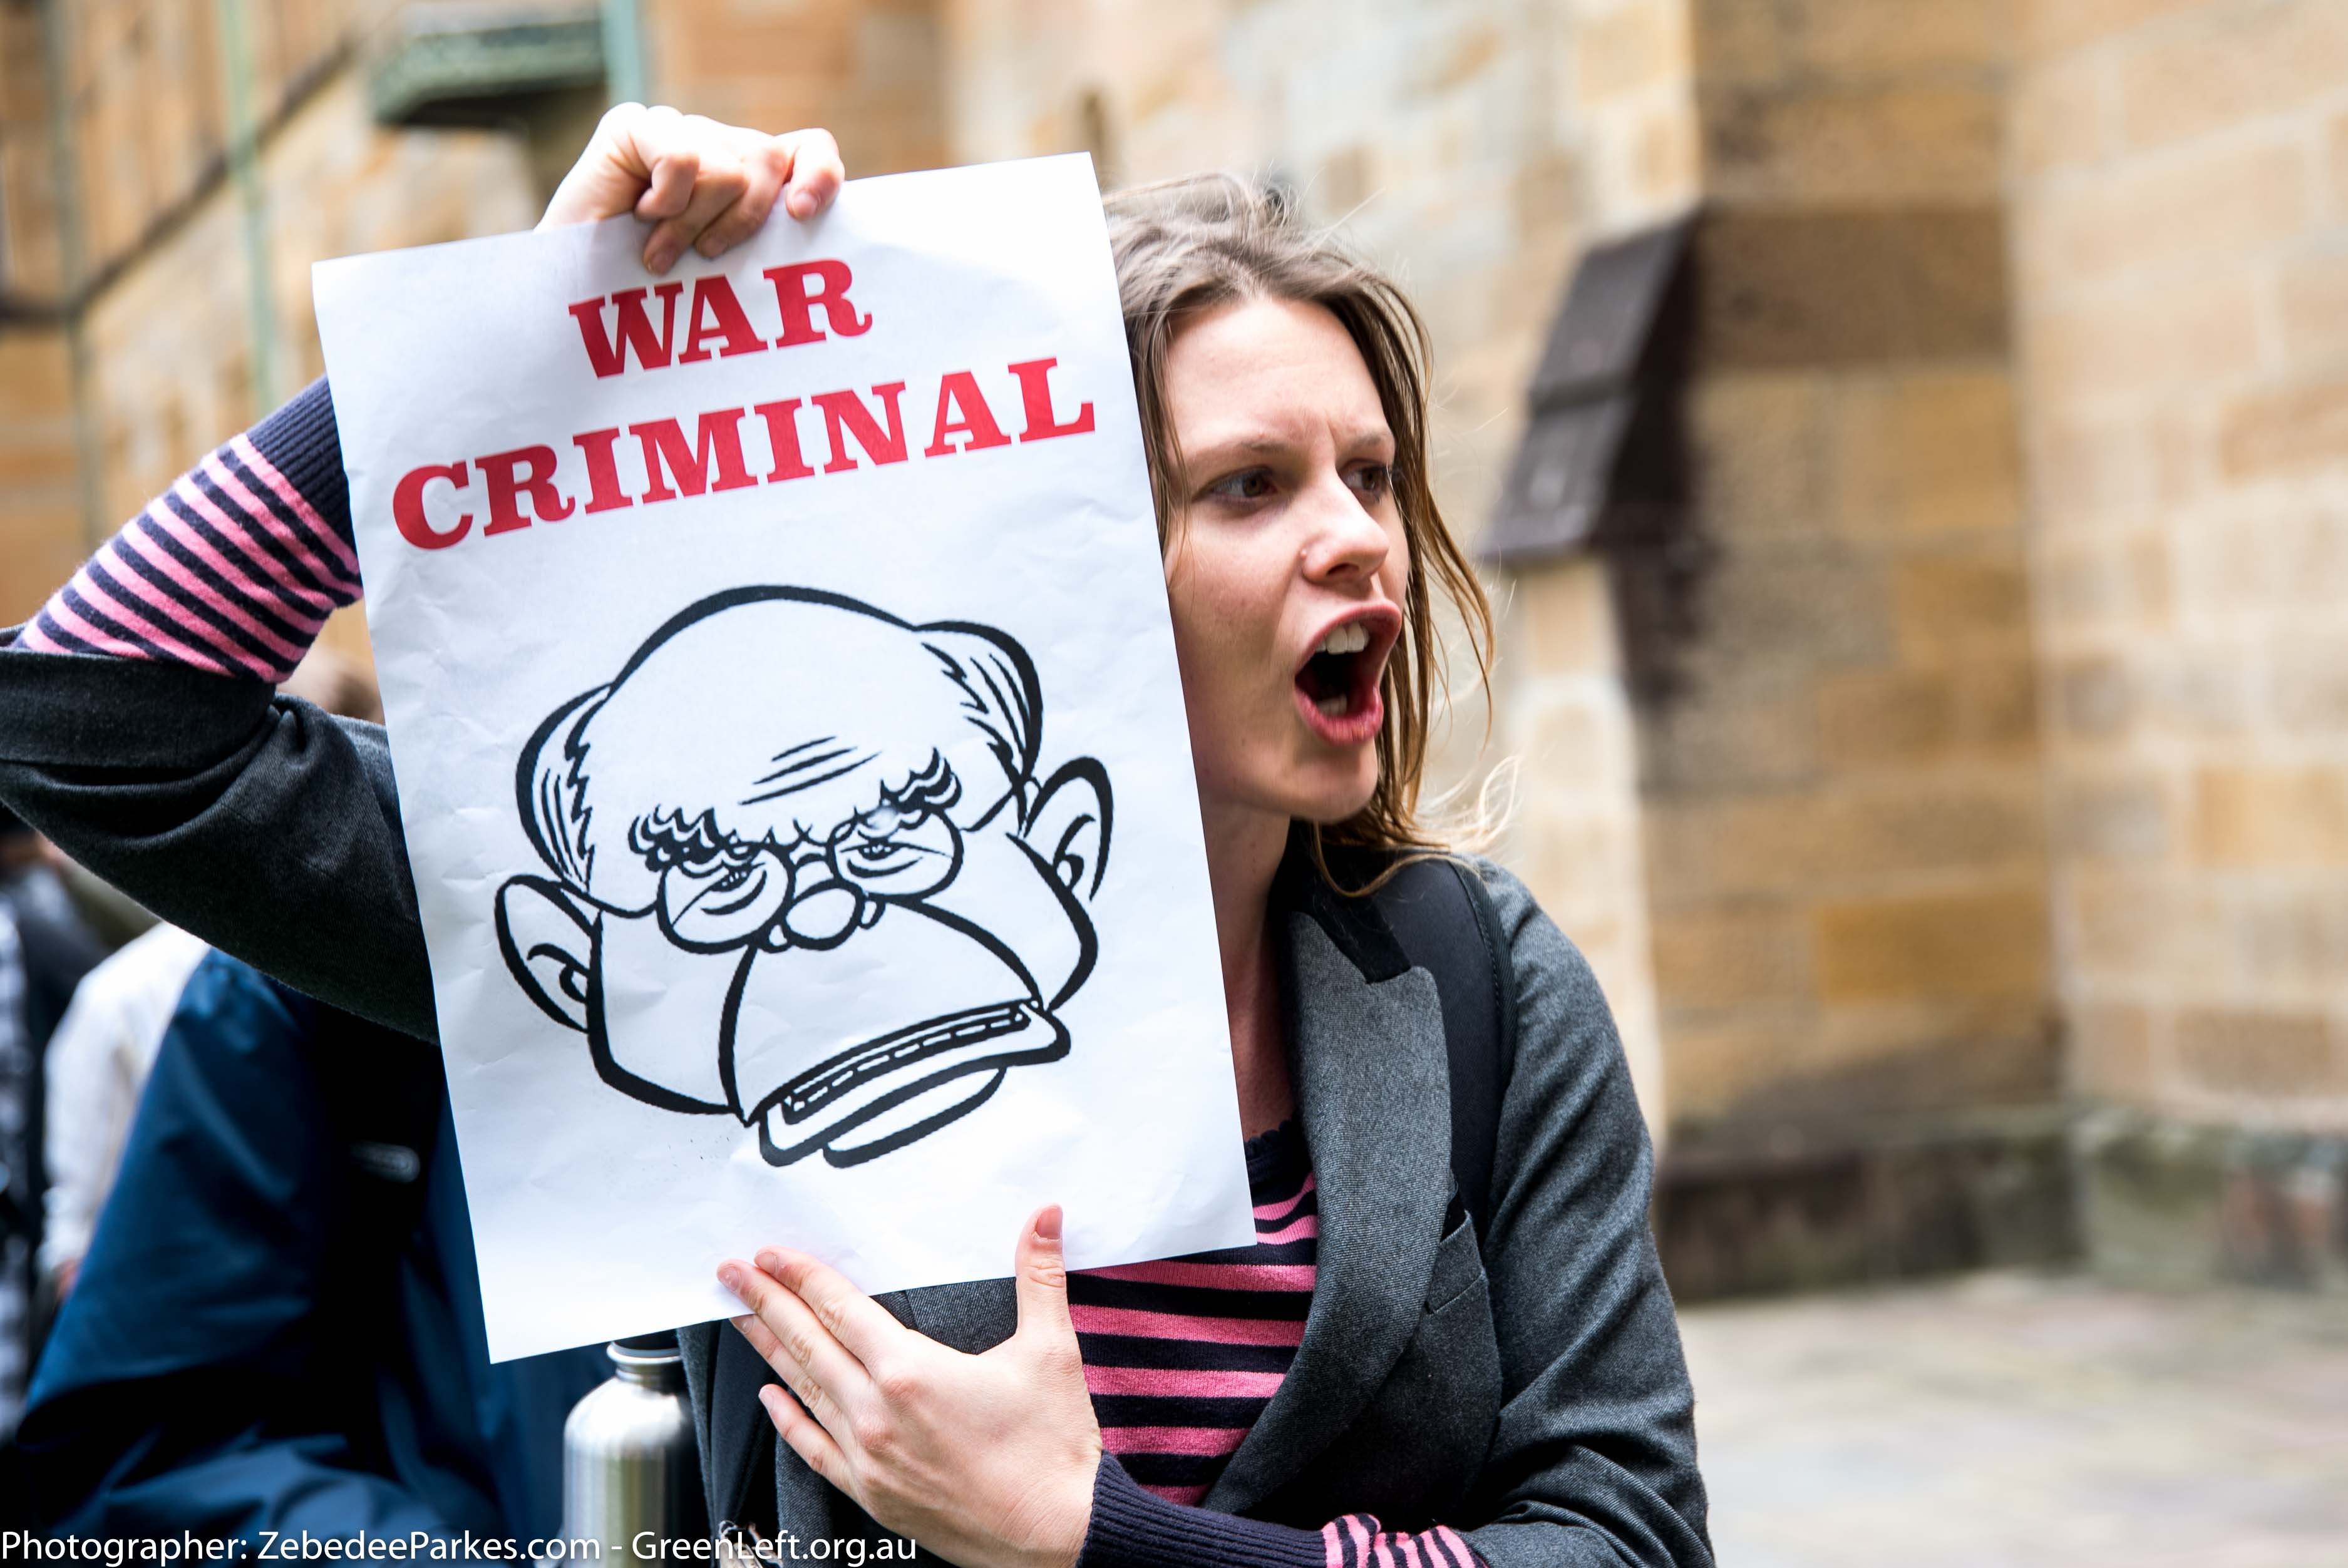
<point x="790" y="748"/>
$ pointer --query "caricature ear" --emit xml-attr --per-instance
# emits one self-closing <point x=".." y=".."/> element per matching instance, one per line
<point x="1070" y="823"/>
<point x="549" y="947"/>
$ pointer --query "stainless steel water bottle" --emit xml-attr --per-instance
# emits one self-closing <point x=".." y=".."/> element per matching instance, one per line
<point x="631" y="1471"/>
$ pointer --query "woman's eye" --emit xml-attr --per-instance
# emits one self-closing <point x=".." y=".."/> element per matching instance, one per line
<point x="1373" y="480"/>
<point x="1254" y="485"/>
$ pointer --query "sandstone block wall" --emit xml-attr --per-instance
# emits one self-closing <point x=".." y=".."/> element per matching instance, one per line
<point x="2179" y="179"/>
<point x="1845" y="855"/>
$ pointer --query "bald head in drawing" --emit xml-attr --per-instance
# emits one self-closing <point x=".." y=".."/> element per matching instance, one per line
<point x="802" y="868"/>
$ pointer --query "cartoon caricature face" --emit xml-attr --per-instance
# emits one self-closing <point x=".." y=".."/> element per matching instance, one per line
<point x="842" y="908"/>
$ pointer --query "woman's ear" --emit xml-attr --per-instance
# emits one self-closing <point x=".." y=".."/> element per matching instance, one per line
<point x="1070" y="823"/>
<point x="548" y="947"/>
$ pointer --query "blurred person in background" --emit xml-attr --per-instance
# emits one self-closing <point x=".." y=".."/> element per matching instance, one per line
<point x="277" y="1324"/>
<point x="105" y="1047"/>
<point x="49" y="949"/>
<point x="97" y="1064"/>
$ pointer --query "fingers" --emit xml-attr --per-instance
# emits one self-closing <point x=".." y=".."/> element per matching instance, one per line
<point x="709" y="179"/>
<point x="698" y="184"/>
<point x="827" y="1378"/>
<point x="1040" y="1275"/>
<point x="766" y="165"/>
<point x="816" y="171"/>
<point x="807" y="1437"/>
<point x="854" y="1318"/>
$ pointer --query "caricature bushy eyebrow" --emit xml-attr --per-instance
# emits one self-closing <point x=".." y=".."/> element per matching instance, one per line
<point x="794" y="777"/>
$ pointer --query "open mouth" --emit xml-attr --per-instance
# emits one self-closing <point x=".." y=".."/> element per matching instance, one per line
<point x="1337" y="686"/>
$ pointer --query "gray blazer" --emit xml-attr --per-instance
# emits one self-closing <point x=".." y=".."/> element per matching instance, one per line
<point x="1525" y="1386"/>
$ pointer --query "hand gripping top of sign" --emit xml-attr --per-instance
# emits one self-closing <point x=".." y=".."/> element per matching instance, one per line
<point x="842" y="908"/>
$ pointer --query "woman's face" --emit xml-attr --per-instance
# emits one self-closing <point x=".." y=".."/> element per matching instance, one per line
<point x="1286" y="564"/>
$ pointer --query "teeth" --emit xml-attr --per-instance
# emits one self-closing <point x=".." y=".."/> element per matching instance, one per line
<point x="1350" y="638"/>
<point x="1334" y="707"/>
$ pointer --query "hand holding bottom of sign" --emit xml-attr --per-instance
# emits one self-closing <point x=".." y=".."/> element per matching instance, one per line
<point x="988" y="1460"/>
<point x="696" y="181"/>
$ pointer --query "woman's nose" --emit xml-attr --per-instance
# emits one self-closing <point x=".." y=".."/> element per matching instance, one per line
<point x="1347" y="542"/>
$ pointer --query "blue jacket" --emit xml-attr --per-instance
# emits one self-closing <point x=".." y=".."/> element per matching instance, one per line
<point x="278" y="1326"/>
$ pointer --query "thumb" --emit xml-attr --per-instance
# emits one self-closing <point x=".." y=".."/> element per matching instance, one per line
<point x="1041" y="1277"/>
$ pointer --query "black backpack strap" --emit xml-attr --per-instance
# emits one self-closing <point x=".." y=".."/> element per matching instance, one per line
<point x="1441" y="913"/>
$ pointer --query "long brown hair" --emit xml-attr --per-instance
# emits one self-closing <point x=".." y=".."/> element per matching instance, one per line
<point x="1189" y="245"/>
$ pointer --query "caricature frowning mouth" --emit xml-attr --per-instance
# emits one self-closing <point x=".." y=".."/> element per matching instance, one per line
<point x="840" y="906"/>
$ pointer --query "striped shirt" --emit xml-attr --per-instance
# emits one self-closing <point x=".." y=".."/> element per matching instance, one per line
<point x="1181" y="1356"/>
<point x="234" y="570"/>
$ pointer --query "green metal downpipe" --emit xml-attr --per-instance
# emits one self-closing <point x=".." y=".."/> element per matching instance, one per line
<point x="624" y="52"/>
<point x="244" y="167"/>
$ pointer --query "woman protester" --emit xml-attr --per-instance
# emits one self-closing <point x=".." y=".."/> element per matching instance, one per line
<point x="1390" y="1374"/>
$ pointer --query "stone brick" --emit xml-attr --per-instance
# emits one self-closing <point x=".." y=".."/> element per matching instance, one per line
<point x="2096" y="697"/>
<point x="1630" y="49"/>
<point x="1565" y="618"/>
<point x="1730" y="959"/>
<point x="2313" y="290"/>
<point x="2128" y="921"/>
<point x="1927" y="452"/>
<point x="1860" y="837"/>
<point x="2252" y="815"/>
<point x="2310" y="683"/>
<point x="2059" y="116"/>
<point x="2257" y="569"/>
<point x="1744" y="729"/>
<point x="2234" y="199"/>
<point x="2113" y="1056"/>
<point x="1792" y="607"/>
<point x="2089" y="466"/>
<point x="1714" y="1062"/>
<point x="2199" y="691"/>
<point x="2336" y="147"/>
<point x="2248" y="1052"/>
<point x="1955" y="603"/>
<point x="1700" y="851"/>
<point x="2105" y="579"/>
<point x="2117" y="343"/>
<point x="1875" y="833"/>
<point x="1737" y="43"/>
<point x="36" y="377"/>
<point x="2243" y="62"/>
<point x="1780" y="289"/>
<point x="1907" y="717"/>
<point x="1997" y="707"/>
<point x="2288" y="937"/>
<point x="1948" y="945"/>
<point x="1761" y="453"/>
<point x="1874" y="717"/>
<point x="2052" y="26"/>
<point x="1874" y="39"/>
<point x="2122" y="818"/>
<point x="1930" y="141"/>
<point x="2289" y="429"/>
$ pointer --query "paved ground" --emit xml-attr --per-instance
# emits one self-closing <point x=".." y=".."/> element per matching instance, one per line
<point x="2018" y="1421"/>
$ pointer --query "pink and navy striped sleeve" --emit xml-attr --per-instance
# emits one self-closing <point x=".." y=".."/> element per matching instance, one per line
<point x="1133" y="1528"/>
<point x="232" y="570"/>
